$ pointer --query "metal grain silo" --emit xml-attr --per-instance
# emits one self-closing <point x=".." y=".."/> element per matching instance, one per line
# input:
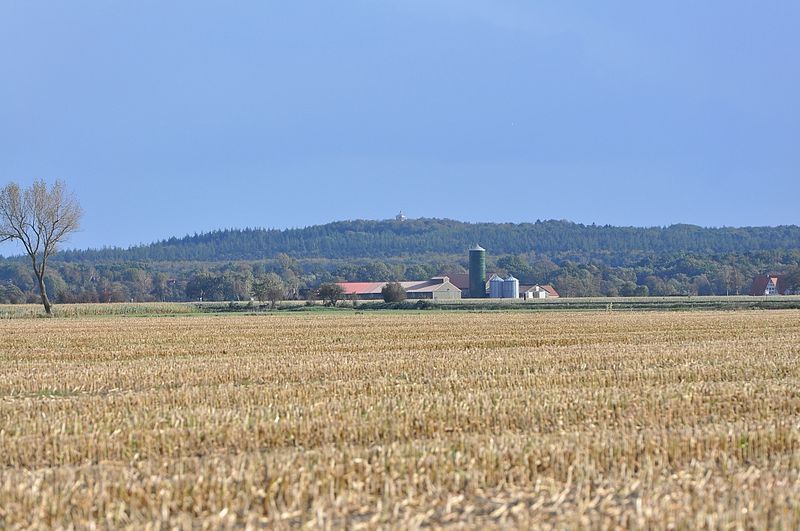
<point x="511" y="288"/>
<point x="496" y="287"/>
<point x="477" y="271"/>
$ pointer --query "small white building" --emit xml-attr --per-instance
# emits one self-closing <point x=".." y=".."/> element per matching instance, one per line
<point x="537" y="292"/>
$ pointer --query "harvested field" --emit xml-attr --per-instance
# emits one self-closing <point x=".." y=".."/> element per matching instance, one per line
<point x="605" y="419"/>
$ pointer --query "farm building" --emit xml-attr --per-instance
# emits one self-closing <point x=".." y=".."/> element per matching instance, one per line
<point x="770" y="285"/>
<point x="474" y="285"/>
<point x="437" y="288"/>
<point x="461" y="280"/>
<point x="538" y="292"/>
<point x="545" y="291"/>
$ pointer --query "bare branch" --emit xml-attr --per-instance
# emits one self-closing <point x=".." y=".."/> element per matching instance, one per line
<point x="40" y="218"/>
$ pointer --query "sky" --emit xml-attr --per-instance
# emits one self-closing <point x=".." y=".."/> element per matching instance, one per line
<point x="170" y="118"/>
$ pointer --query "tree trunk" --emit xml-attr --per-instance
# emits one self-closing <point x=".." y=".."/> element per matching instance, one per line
<point x="43" y="291"/>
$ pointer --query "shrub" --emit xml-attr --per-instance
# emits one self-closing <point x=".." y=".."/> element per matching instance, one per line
<point x="393" y="292"/>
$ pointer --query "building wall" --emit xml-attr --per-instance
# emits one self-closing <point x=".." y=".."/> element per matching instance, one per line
<point x="528" y="295"/>
<point x="368" y="296"/>
<point x="447" y="293"/>
<point x="443" y="291"/>
<point x="417" y="295"/>
<point x="772" y="289"/>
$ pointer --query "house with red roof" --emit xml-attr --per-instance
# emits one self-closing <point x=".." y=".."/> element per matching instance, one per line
<point x="536" y="291"/>
<point x="769" y="285"/>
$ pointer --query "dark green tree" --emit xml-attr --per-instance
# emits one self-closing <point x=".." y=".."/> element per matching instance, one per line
<point x="330" y="293"/>
<point x="205" y="287"/>
<point x="269" y="287"/>
<point x="791" y="282"/>
<point x="10" y="294"/>
<point x="393" y="292"/>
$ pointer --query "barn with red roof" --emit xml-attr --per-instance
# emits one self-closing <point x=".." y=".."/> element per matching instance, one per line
<point x="437" y="288"/>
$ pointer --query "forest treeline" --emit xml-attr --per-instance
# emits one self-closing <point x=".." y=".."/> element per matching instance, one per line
<point x="388" y="238"/>
<point x="578" y="260"/>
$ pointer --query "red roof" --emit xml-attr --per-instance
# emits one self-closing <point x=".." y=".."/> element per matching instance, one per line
<point x="550" y="290"/>
<point x="460" y="280"/>
<point x="416" y="286"/>
<point x="759" y="285"/>
<point x="352" y="288"/>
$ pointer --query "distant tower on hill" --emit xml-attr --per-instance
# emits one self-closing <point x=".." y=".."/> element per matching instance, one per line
<point x="400" y="216"/>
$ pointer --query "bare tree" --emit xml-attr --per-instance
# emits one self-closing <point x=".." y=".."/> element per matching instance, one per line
<point x="40" y="218"/>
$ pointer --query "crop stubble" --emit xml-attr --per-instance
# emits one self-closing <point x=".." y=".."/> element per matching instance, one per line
<point x="402" y="419"/>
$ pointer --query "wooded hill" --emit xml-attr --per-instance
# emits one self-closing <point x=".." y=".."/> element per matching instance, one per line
<point x="578" y="260"/>
<point x="381" y="239"/>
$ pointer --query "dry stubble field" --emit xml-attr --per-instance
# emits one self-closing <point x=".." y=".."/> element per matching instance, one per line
<point x="402" y="420"/>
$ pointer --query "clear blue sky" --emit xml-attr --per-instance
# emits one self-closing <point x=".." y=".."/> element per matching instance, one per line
<point x="171" y="117"/>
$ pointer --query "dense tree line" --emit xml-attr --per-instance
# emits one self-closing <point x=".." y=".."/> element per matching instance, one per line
<point x="573" y="273"/>
<point x="416" y="237"/>
<point x="578" y="260"/>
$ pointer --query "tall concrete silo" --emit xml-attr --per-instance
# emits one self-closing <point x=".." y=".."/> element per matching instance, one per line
<point x="477" y="271"/>
<point x="511" y="288"/>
